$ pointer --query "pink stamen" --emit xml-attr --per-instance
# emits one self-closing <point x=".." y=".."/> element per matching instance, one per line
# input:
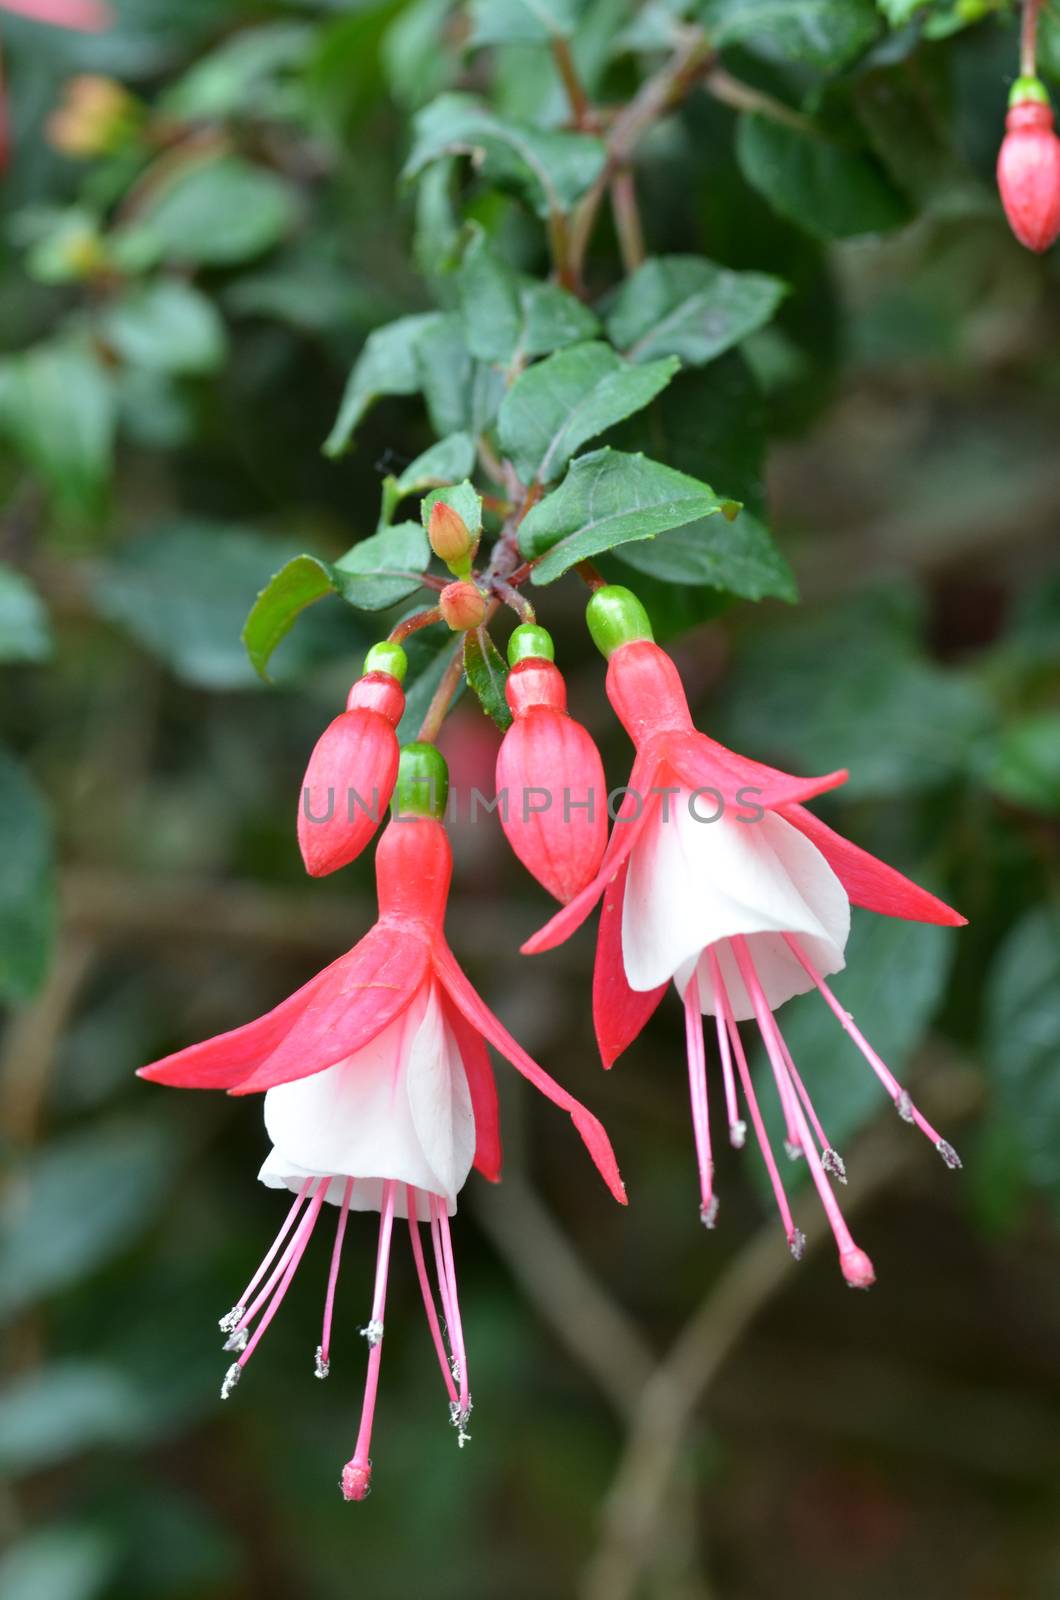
<point x="907" y="1110"/>
<point x="228" y="1323"/>
<point x="855" y="1264"/>
<point x="831" y="1160"/>
<point x="728" y="1031"/>
<point x="737" y="1126"/>
<point x="428" y="1296"/>
<point x="323" y="1364"/>
<point x="456" y="1330"/>
<point x="697" y="1085"/>
<point x="357" y="1473"/>
<point x="278" y="1270"/>
<point x="295" y="1252"/>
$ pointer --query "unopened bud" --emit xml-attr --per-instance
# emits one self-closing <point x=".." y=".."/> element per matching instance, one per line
<point x="462" y="606"/>
<point x="450" y="538"/>
<point x="95" y="116"/>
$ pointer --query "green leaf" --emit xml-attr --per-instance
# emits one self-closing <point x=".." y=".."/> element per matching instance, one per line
<point x="25" y="633"/>
<point x="445" y="462"/>
<point x="27" y="886"/>
<point x="1023" y="764"/>
<point x="450" y="379"/>
<point x="464" y="499"/>
<point x="558" y="405"/>
<point x="507" y="316"/>
<point x="430" y="651"/>
<point x="81" y="1200"/>
<point x="738" y="557"/>
<point x="57" y="408"/>
<point x="64" y="1561"/>
<point x="553" y="318"/>
<point x="823" y="33"/>
<point x="487" y="675"/>
<point x="243" y="74"/>
<point x="607" y="499"/>
<point x="216" y="214"/>
<point x="831" y="190"/>
<point x="60" y="1410"/>
<point x="551" y="170"/>
<point x="522" y="21"/>
<point x="386" y="365"/>
<point x="166" y="326"/>
<point x="375" y="574"/>
<point x="686" y="306"/>
<point x="1023" y="1041"/>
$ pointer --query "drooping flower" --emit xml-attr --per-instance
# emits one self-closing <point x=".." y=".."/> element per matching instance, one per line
<point x="716" y="877"/>
<point x="549" y="773"/>
<point x="1028" y="166"/>
<point x="379" y="1096"/>
<point x="353" y="768"/>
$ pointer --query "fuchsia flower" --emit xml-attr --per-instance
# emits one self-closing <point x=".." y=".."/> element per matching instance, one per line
<point x="1028" y="166"/>
<point x="379" y="1096"/>
<point x="85" y="16"/>
<point x="336" y="819"/>
<point x="554" y="811"/>
<point x="716" y="877"/>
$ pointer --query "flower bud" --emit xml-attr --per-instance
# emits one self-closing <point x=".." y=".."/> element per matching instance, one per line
<point x="1028" y="167"/>
<point x="463" y="606"/>
<point x="551" y="781"/>
<point x="353" y="768"/>
<point x="450" y="538"/>
<point x="95" y="116"/>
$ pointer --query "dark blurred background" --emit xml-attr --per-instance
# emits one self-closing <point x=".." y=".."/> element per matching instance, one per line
<point x="659" y="1412"/>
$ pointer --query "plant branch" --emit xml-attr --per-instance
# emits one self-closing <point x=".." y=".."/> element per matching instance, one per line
<point x="626" y="213"/>
<point x="1029" y="38"/>
<point x="418" y="620"/>
<point x="443" y="696"/>
<point x="580" y="104"/>
<point x="742" y="97"/>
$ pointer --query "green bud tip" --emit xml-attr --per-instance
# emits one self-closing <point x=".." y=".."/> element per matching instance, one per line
<point x="387" y="657"/>
<point x="616" y="617"/>
<point x="422" y="787"/>
<point x="1025" y="89"/>
<point x="530" y="643"/>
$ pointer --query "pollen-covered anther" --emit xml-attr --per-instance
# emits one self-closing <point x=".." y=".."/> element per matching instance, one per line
<point x="356" y="1481"/>
<point x="793" y="1151"/>
<point x="231" y="1378"/>
<point x="904" y="1106"/>
<point x="834" y="1165"/>
<point x="949" y="1155"/>
<point x="231" y="1319"/>
<point x="708" y="1214"/>
<point x="738" y="1135"/>
<point x="797" y="1243"/>
<point x="237" y="1341"/>
<point x="373" y="1332"/>
<point x="857" y="1268"/>
<point x="459" y="1417"/>
<point x="321" y="1364"/>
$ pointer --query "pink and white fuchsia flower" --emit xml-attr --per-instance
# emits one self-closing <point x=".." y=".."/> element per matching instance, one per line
<point x="379" y="1096"/>
<point x="718" y="879"/>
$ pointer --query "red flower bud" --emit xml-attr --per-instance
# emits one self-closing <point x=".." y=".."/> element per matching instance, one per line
<point x="462" y="605"/>
<point x="1028" y="174"/>
<point x="554" y="814"/>
<point x="449" y="535"/>
<point x="350" y="777"/>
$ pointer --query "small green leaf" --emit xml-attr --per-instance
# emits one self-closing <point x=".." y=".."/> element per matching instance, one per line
<point x="1022" y="764"/>
<point x="244" y="73"/>
<point x="686" y="306"/>
<point x="464" y="498"/>
<point x="522" y="21"/>
<point x="1023" y="1041"/>
<point x="558" y="405"/>
<point x="490" y="302"/>
<point x="166" y="326"/>
<point x="64" y="1560"/>
<point x="487" y="674"/>
<point x="738" y="557"/>
<point x="57" y="407"/>
<point x="552" y="170"/>
<point x="609" y="499"/>
<point x="27" y="885"/>
<point x="446" y="374"/>
<point x="280" y="603"/>
<point x="553" y="319"/>
<point x="824" y="33"/>
<point x="445" y="462"/>
<point x="831" y="190"/>
<point x="386" y="365"/>
<point x="216" y="214"/>
<point x="25" y="633"/>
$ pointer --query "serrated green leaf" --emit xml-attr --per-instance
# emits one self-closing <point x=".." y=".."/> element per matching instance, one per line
<point x="464" y="499"/>
<point x="823" y="33"/>
<point x="216" y="214"/>
<point x="1023" y="1041"/>
<point x="506" y="316"/>
<point x="57" y="407"/>
<point x="608" y="499"/>
<point x="167" y="326"/>
<point x="738" y="557"/>
<point x="552" y="170"/>
<point x="553" y="319"/>
<point x="25" y="633"/>
<point x="831" y="190"/>
<point x="445" y="462"/>
<point x="689" y="307"/>
<point x="386" y="365"/>
<point x="558" y="405"/>
<point x="487" y="674"/>
<point x="446" y="373"/>
<point x="27" y="885"/>
<point x="522" y="21"/>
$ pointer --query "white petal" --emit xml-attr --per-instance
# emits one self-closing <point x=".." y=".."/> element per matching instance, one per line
<point x="357" y="1118"/>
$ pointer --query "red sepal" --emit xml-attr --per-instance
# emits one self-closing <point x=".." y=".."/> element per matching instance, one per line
<point x="483" y="1090"/>
<point x="619" y="1012"/>
<point x="869" y="882"/>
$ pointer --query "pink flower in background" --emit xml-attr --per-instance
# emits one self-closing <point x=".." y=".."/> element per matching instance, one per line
<point x="379" y="1096"/>
<point x="718" y="879"/>
<point x="86" y="16"/>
